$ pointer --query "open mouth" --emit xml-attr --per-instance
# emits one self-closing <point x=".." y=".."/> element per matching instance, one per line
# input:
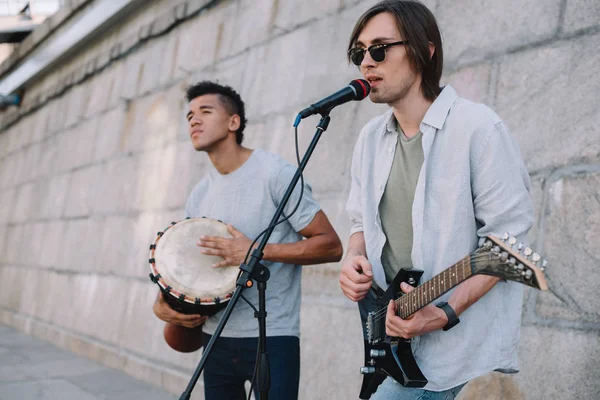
<point x="374" y="81"/>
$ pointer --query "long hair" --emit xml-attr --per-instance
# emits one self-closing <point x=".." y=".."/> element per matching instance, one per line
<point x="418" y="26"/>
<point x="230" y="99"/>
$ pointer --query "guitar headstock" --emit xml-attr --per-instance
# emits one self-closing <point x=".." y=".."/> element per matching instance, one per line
<point x="508" y="260"/>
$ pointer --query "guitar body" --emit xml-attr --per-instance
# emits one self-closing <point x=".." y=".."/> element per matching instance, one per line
<point x="385" y="356"/>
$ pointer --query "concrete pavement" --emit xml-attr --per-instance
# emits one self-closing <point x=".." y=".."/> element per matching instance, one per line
<point x="31" y="369"/>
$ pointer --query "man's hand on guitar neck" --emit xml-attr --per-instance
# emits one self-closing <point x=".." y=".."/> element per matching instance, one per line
<point x="427" y="319"/>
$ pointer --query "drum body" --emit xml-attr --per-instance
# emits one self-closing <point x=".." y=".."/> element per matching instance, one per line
<point x="185" y="276"/>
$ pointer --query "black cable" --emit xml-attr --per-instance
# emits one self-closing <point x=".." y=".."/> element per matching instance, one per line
<point x="262" y="233"/>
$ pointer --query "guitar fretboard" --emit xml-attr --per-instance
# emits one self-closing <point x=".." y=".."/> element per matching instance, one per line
<point x="433" y="288"/>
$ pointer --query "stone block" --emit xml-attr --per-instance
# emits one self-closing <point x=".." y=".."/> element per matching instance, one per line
<point x="33" y="235"/>
<point x="3" y="238"/>
<point x="512" y="24"/>
<point x="493" y="386"/>
<point x="581" y="14"/>
<point x="168" y="59"/>
<point x="13" y="279"/>
<point x="52" y="244"/>
<point x="52" y="155"/>
<point x="7" y="204"/>
<point x="80" y="247"/>
<point x="243" y="26"/>
<point x="116" y="186"/>
<point x="105" y="322"/>
<point x="322" y="325"/>
<point x="4" y="139"/>
<point x="151" y="67"/>
<point x="24" y="203"/>
<point x="472" y="83"/>
<point x="153" y="121"/>
<point x="57" y="110"/>
<point x="115" y="243"/>
<point x="14" y="245"/>
<point x="558" y="363"/>
<point x="108" y="141"/>
<point x="543" y="93"/>
<point x="78" y="143"/>
<point x="11" y="170"/>
<point x="82" y="185"/>
<point x="100" y="87"/>
<point x="140" y="331"/>
<point x="285" y="16"/>
<point x="160" y="170"/>
<point x="194" y="54"/>
<point x="178" y="176"/>
<point x="32" y="155"/>
<point x="571" y="229"/>
<point x="53" y="203"/>
<point x="537" y="197"/>
<point x="77" y="99"/>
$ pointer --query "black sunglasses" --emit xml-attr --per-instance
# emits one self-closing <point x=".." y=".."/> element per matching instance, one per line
<point x="377" y="52"/>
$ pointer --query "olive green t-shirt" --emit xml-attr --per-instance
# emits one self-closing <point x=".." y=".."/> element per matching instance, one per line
<point x="395" y="207"/>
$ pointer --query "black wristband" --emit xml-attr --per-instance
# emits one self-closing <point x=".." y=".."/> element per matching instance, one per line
<point x="452" y="318"/>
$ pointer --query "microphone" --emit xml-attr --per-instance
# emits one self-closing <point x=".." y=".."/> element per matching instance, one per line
<point x="358" y="89"/>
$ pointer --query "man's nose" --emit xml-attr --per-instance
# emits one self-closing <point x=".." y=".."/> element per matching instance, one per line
<point x="367" y="61"/>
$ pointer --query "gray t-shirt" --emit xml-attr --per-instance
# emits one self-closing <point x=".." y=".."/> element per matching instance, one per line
<point x="396" y="204"/>
<point x="247" y="198"/>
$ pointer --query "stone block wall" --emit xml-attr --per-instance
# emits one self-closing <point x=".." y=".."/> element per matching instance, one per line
<point x="97" y="159"/>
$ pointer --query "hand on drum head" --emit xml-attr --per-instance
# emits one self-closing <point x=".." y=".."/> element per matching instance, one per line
<point x="164" y="312"/>
<point x="233" y="250"/>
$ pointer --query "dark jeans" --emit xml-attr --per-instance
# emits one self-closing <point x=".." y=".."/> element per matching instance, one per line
<point x="232" y="360"/>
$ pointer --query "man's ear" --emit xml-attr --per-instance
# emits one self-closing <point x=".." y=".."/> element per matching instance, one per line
<point x="234" y="123"/>
<point x="431" y="50"/>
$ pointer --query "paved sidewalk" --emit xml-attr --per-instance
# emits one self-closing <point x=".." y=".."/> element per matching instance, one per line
<point x="31" y="369"/>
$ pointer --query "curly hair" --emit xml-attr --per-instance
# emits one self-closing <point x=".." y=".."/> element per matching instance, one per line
<point x="229" y="98"/>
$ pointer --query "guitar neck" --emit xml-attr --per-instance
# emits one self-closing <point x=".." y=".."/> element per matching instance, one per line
<point x="426" y="293"/>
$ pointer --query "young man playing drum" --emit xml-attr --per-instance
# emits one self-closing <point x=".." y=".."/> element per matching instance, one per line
<point x="243" y="190"/>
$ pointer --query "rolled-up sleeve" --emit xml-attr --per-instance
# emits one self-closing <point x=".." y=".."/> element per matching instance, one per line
<point x="501" y="185"/>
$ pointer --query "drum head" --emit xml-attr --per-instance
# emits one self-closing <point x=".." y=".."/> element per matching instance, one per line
<point x="182" y="266"/>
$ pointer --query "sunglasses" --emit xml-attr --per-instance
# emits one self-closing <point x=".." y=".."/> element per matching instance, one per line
<point x="377" y="52"/>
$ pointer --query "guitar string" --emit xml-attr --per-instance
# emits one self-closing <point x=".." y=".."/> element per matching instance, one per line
<point x="382" y="312"/>
<point x="462" y="263"/>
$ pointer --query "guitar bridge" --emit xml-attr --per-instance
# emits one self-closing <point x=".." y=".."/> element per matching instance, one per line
<point x="375" y="327"/>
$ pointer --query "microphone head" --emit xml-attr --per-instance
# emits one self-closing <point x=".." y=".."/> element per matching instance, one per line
<point x="361" y="87"/>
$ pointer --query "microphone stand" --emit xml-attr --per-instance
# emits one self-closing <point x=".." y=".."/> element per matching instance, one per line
<point x="254" y="270"/>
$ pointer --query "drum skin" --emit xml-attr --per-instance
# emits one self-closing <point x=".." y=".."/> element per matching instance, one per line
<point x="189" y="283"/>
<point x="184" y="340"/>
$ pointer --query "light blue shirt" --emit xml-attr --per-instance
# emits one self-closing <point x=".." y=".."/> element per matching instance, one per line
<point x="473" y="183"/>
<point x="247" y="198"/>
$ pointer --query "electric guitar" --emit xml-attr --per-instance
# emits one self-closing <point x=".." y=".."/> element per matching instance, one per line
<point x="387" y="356"/>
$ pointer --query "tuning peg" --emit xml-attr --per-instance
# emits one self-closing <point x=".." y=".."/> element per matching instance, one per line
<point x="520" y="267"/>
<point x="512" y="240"/>
<point x="527" y="252"/>
<point x="505" y="237"/>
<point x="520" y="246"/>
<point x="504" y="256"/>
<point x="544" y="265"/>
<point x="535" y="257"/>
<point x="527" y="274"/>
<point x="512" y="262"/>
<point x="496" y="250"/>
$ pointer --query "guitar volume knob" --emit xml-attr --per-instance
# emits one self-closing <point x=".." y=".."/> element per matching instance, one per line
<point x="375" y="353"/>
<point x="367" y="370"/>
